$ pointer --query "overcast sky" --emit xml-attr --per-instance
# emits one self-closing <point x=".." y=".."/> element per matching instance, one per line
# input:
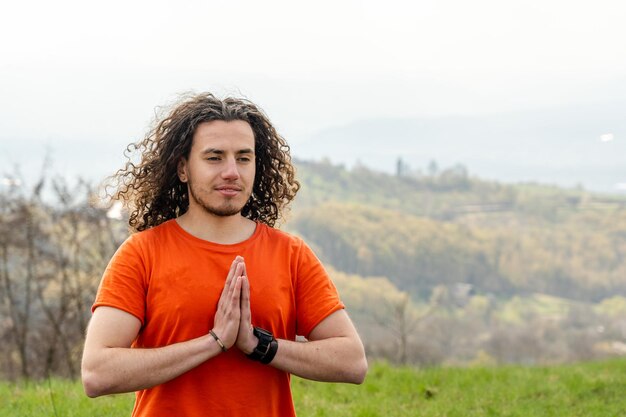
<point x="92" y="73"/>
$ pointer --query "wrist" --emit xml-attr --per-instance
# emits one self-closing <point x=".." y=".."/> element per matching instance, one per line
<point x="253" y="342"/>
<point x="266" y="348"/>
<point x="219" y="341"/>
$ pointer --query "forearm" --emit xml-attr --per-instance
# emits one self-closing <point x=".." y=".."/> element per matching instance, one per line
<point x="336" y="359"/>
<point x="112" y="370"/>
<point x="334" y="352"/>
<point x="110" y="365"/>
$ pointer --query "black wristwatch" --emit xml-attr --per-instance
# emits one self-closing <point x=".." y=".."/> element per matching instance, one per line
<point x="265" y="351"/>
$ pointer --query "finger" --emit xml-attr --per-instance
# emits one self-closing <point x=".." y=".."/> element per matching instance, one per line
<point x="235" y="288"/>
<point x="235" y="296"/>
<point x="229" y="279"/>
<point x="245" y="301"/>
<point x="228" y="317"/>
<point x="245" y="338"/>
<point x="232" y="270"/>
<point x="245" y="270"/>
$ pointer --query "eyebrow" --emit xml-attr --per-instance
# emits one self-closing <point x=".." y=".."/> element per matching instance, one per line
<point x="220" y="151"/>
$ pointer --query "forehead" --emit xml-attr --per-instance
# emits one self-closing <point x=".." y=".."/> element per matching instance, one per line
<point x="219" y="134"/>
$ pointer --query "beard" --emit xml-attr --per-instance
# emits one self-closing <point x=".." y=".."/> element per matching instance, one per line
<point x="225" y="209"/>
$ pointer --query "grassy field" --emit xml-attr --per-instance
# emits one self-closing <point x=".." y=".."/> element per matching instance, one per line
<point x="589" y="390"/>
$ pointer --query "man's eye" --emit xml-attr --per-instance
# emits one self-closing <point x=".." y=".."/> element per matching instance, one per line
<point x="213" y="158"/>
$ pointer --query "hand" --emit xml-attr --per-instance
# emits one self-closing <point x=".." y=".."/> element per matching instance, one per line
<point x="228" y="314"/>
<point x="246" y="340"/>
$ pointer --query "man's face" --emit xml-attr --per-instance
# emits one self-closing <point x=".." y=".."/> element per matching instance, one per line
<point x="220" y="169"/>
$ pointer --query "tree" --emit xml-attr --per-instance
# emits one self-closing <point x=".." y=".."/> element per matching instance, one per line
<point x="52" y="255"/>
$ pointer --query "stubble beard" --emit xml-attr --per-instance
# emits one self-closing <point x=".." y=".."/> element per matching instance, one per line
<point x="226" y="210"/>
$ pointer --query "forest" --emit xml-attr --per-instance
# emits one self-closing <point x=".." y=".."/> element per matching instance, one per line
<point x="435" y="269"/>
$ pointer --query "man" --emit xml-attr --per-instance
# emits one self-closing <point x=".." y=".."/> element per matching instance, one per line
<point x="198" y="312"/>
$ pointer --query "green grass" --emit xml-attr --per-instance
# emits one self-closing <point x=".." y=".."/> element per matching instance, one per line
<point x="589" y="390"/>
<point x="58" y="398"/>
<point x="594" y="389"/>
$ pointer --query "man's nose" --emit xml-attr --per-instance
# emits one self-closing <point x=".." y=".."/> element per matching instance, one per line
<point x="231" y="170"/>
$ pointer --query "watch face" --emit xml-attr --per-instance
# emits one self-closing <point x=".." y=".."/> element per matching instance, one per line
<point x="263" y="334"/>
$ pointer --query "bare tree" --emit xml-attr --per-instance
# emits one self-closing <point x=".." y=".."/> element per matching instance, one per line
<point x="52" y="254"/>
<point x="402" y="318"/>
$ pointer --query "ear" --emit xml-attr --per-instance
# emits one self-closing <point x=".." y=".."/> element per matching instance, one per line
<point x="181" y="170"/>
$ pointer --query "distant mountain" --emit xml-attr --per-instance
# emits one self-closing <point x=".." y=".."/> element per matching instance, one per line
<point x="584" y="145"/>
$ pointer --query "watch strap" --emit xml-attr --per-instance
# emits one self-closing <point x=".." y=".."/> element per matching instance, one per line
<point x="271" y="352"/>
<point x="266" y="349"/>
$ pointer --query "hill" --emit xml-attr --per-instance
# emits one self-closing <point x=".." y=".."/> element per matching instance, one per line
<point x="451" y="228"/>
<point x="435" y="269"/>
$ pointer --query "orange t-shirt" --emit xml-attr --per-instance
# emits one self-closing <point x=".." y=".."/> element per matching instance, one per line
<point x="171" y="281"/>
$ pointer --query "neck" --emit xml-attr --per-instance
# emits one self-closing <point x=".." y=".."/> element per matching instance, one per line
<point x="225" y="230"/>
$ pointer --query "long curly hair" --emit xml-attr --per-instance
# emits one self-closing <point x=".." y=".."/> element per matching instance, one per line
<point x="151" y="189"/>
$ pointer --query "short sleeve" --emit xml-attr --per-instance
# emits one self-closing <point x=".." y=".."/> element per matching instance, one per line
<point x="123" y="284"/>
<point x="316" y="295"/>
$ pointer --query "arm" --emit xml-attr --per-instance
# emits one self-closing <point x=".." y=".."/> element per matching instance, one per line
<point x="334" y="352"/>
<point x="110" y="365"/>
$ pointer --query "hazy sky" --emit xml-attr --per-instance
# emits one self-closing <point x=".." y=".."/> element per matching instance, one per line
<point x="93" y="73"/>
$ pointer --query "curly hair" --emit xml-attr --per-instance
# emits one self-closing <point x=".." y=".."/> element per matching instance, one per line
<point x="151" y="188"/>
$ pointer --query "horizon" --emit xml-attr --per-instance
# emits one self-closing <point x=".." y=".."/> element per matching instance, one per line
<point x="86" y="79"/>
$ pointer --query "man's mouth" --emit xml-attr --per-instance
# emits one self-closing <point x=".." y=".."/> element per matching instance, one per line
<point x="228" y="190"/>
